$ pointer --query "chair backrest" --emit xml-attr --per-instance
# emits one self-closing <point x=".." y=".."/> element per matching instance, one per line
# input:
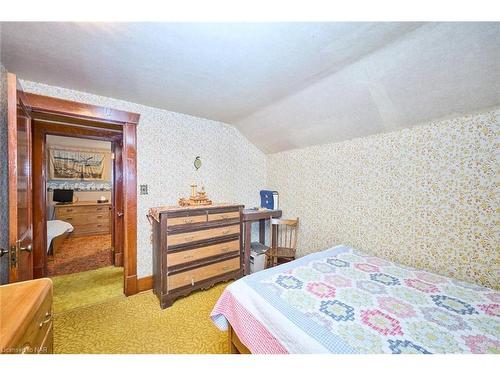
<point x="284" y="233"/>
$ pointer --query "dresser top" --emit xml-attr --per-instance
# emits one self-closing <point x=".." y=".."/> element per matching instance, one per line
<point x="155" y="212"/>
<point x="18" y="304"/>
<point x="82" y="203"/>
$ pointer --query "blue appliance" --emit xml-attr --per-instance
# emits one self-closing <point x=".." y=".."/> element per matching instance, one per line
<point x="269" y="199"/>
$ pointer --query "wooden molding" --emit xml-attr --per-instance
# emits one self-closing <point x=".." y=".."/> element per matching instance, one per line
<point x="119" y="259"/>
<point x="94" y="122"/>
<point x="130" y="285"/>
<point x="129" y="165"/>
<point x="39" y="205"/>
<point x="40" y="130"/>
<point x="144" y="283"/>
<point x="47" y="104"/>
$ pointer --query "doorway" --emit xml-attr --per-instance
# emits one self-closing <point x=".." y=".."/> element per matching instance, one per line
<point x="84" y="256"/>
<point x="80" y="193"/>
<point x="114" y="227"/>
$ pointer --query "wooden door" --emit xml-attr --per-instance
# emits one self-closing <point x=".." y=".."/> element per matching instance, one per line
<point x="20" y="188"/>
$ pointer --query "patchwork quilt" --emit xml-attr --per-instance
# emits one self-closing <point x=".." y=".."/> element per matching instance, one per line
<point x="345" y="301"/>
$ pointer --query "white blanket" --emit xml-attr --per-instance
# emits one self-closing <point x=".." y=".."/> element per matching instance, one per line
<point x="56" y="228"/>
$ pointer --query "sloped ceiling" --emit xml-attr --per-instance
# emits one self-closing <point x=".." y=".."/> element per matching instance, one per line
<point x="284" y="85"/>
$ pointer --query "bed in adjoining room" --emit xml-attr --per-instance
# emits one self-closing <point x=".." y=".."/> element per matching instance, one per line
<point x="57" y="232"/>
<point x="342" y="300"/>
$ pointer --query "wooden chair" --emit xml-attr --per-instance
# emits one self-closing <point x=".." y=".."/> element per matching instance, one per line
<point x="283" y="241"/>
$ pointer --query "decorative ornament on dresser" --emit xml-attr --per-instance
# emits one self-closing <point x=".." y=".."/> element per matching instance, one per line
<point x="197" y="198"/>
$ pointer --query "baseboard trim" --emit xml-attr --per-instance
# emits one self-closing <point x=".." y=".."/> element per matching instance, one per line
<point x="130" y="285"/>
<point x="144" y="283"/>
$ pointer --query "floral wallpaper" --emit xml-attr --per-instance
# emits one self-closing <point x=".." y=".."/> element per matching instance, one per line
<point x="426" y="197"/>
<point x="233" y="170"/>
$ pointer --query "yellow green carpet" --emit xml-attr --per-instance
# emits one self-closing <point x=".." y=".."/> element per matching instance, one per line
<point x="86" y="288"/>
<point x="137" y="324"/>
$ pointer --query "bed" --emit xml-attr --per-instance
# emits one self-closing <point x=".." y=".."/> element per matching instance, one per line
<point x="345" y="301"/>
<point x="57" y="231"/>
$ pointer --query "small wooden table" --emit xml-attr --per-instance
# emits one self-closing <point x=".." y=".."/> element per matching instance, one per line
<point x="250" y="216"/>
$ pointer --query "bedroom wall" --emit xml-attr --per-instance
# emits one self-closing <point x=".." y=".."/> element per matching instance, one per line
<point x="233" y="169"/>
<point x="4" y="174"/>
<point x="84" y="191"/>
<point x="425" y="197"/>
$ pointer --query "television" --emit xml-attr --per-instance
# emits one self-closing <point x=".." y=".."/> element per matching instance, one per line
<point x="63" y="196"/>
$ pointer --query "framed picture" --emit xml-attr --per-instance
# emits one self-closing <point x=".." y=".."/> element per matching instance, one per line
<point x="79" y="164"/>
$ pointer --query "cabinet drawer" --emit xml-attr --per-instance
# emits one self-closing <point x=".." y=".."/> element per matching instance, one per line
<point x="33" y="338"/>
<point x="89" y="229"/>
<point x="224" y="216"/>
<point x="47" y="346"/>
<point x="79" y="219"/>
<point x="82" y="209"/>
<point x="199" y="274"/>
<point x="182" y="257"/>
<point x="182" y="238"/>
<point x="185" y="220"/>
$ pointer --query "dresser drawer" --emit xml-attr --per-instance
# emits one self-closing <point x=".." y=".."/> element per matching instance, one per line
<point x="90" y="229"/>
<point x="84" y="219"/>
<point x="48" y="342"/>
<point x="82" y="209"/>
<point x="224" y="216"/>
<point x="199" y="274"/>
<point x="33" y="339"/>
<point x="183" y="238"/>
<point x="192" y="255"/>
<point x="186" y="220"/>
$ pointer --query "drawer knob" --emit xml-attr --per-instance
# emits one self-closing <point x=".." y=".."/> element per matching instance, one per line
<point x="188" y="256"/>
<point x="99" y="216"/>
<point x="225" y="231"/>
<point x="188" y="221"/>
<point x="225" y="268"/>
<point x="188" y="238"/>
<point x="224" y="249"/>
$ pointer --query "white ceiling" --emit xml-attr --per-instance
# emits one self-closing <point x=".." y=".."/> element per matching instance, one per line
<point x="284" y="85"/>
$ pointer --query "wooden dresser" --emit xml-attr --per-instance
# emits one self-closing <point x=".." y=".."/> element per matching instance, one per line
<point x="26" y="317"/>
<point x="88" y="218"/>
<point x="194" y="248"/>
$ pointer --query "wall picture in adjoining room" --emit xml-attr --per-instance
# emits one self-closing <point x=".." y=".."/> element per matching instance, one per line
<point x="78" y="164"/>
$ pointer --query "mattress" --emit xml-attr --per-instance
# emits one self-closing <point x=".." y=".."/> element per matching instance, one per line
<point x="345" y="301"/>
<point x="55" y="228"/>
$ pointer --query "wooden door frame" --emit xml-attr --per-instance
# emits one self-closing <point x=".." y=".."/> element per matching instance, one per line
<point x="41" y="129"/>
<point x="68" y="118"/>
